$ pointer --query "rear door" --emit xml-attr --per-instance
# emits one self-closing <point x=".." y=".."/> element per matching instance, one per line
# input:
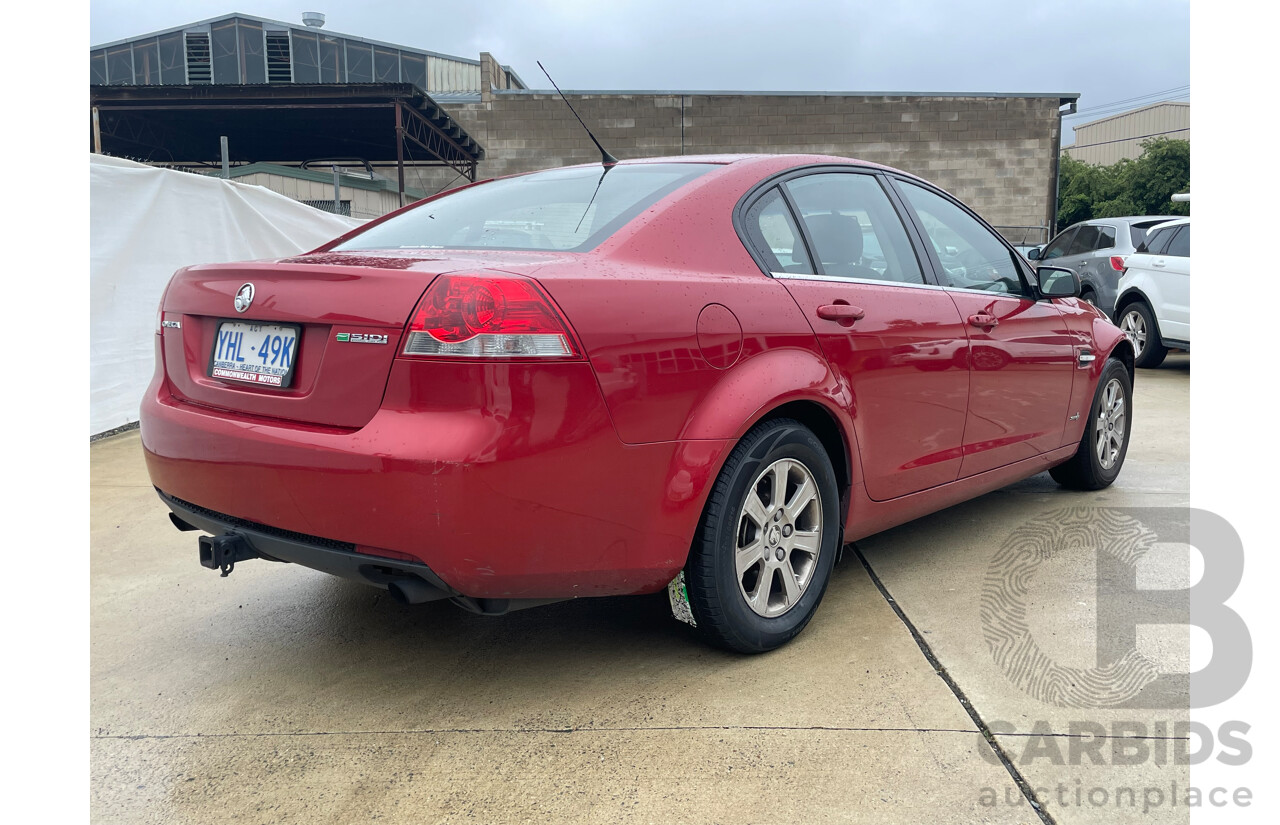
<point x="1022" y="355"/>
<point x="1172" y="270"/>
<point x="836" y="241"/>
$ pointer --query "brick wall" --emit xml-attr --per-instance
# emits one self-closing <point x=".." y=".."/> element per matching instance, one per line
<point x="996" y="154"/>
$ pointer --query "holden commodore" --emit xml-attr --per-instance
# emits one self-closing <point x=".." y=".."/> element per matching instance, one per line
<point x="698" y="374"/>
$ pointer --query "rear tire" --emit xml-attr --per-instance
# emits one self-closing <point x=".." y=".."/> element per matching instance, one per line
<point x="1102" y="450"/>
<point x="767" y="541"/>
<point x="1139" y="326"/>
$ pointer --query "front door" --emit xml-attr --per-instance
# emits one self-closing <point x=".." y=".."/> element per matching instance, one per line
<point x="1022" y="355"/>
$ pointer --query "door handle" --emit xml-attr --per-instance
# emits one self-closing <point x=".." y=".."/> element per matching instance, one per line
<point x="983" y="319"/>
<point x="840" y="312"/>
<point x="1158" y="264"/>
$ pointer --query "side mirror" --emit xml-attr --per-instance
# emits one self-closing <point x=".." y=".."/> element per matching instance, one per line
<point x="1033" y="254"/>
<point x="1058" y="282"/>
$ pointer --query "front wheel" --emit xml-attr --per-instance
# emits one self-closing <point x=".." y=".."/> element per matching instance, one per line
<point x="767" y="541"/>
<point x="1105" y="443"/>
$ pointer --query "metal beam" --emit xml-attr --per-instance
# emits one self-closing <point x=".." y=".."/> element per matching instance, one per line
<point x="309" y="119"/>
<point x="138" y="131"/>
<point x="184" y="107"/>
<point x="433" y="139"/>
<point x="400" y="148"/>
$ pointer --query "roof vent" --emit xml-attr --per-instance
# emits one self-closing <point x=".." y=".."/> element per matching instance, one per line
<point x="314" y="19"/>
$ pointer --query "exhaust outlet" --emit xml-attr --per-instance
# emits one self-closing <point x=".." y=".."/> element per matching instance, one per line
<point x="414" y="591"/>
<point x="180" y="524"/>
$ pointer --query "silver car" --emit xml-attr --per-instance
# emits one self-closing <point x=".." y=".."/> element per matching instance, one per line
<point x="1096" y="250"/>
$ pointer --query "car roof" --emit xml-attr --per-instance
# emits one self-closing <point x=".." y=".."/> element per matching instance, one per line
<point x="764" y="159"/>
<point x="1127" y="219"/>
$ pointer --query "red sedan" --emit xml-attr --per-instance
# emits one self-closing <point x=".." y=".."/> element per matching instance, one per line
<point x="703" y="374"/>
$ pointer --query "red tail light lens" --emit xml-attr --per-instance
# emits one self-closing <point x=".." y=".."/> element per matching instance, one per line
<point x="1117" y="263"/>
<point x="475" y="317"/>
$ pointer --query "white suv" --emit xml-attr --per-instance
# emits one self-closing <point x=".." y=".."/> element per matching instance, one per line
<point x="1153" y="303"/>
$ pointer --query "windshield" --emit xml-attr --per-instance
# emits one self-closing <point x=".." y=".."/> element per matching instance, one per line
<point x="561" y="209"/>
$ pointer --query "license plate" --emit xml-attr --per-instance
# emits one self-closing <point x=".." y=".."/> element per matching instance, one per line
<point x="261" y="354"/>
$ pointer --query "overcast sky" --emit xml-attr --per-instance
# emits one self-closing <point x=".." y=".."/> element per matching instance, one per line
<point x="1107" y="50"/>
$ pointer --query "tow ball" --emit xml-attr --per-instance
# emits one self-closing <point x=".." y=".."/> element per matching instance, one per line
<point x="222" y="552"/>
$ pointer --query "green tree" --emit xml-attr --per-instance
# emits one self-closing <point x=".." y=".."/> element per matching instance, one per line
<point x="1129" y="187"/>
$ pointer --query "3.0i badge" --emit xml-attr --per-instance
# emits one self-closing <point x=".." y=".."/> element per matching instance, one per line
<point x="361" y="338"/>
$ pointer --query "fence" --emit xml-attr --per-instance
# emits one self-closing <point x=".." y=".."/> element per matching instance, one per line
<point x="1024" y="236"/>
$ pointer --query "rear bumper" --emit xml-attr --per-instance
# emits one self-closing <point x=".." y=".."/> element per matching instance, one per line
<point x="515" y="486"/>
<point x="333" y="557"/>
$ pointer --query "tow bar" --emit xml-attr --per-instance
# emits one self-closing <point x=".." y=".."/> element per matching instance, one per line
<point x="222" y="552"/>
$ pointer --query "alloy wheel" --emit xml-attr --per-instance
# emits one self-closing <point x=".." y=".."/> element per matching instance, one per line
<point x="1110" y="431"/>
<point x="779" y="537"/>
<point x="1134" y="326"/>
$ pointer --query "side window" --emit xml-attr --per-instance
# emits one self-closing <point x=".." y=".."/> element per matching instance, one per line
<point x="1086" y="241"/>
<point x="1156" y="241"/>
<point x="855" y="231"/>
<point x="773" y="233"/>
<point x="1106" y="237"/>
<point x="1058" y="247"/>
<point x="1180" y="244"/>
<point x="972" y="256"/>
<point x="1139" y="231"/>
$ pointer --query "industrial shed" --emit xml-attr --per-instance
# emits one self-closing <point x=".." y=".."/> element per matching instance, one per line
<point x="1111" y="139"/>
<point x="996" y="151"/>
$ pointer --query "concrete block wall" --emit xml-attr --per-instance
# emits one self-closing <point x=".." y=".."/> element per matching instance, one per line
<point x="995" y="153"/>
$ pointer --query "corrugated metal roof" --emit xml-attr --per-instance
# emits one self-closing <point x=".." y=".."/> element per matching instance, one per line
<point x="282" y="24"/>
<point x="377" y="184"/>
<point x="1064" y="97"/>
<point x="1133" y="112"/>
<point x="456" y="97"/>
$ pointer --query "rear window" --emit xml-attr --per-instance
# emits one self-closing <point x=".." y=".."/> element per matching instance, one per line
<point x="560" y="209"/>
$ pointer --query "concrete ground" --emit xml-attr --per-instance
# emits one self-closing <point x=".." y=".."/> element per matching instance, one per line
<point x="284" y="695"/>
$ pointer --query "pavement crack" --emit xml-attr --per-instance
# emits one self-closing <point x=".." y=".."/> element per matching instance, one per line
<point x="618" y="729"/>
<point x="1098" y="736"/>
<point x="1018" y="778"/>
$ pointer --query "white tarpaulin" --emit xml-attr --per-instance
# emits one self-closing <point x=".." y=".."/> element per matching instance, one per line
<point x="145" y="223"/>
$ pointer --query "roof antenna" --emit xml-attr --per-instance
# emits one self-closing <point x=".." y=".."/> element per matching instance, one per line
<point x="605" y="158"/>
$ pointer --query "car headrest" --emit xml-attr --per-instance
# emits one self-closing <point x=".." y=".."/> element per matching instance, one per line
<point x="838" y="238"/>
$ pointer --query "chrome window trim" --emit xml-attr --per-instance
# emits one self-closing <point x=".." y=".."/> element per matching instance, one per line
<point x="791" y="276"/>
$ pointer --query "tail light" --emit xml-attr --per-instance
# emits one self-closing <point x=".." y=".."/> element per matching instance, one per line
<point x="477" y="317"/>
<point x="1117" y="263"/>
